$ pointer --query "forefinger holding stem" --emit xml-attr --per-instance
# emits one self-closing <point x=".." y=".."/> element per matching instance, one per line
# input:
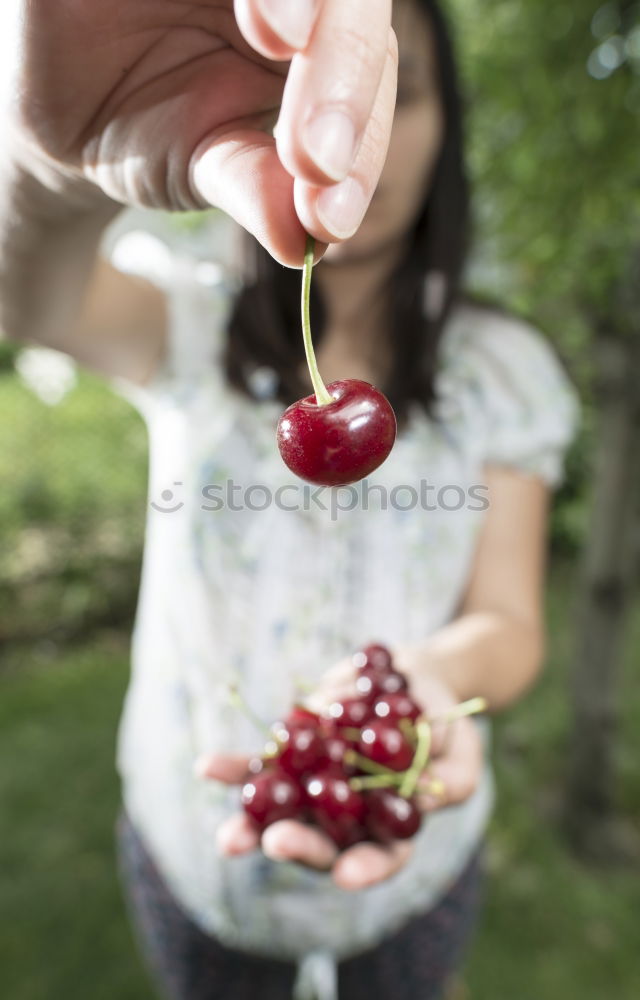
<point x="337" y="107"/>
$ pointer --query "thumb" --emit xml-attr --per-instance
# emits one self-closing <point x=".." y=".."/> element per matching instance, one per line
<point x="240" y="172"/>
<point x="232" y="769"/>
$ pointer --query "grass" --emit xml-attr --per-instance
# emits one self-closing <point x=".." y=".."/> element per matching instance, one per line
<point x="553" y="929"/>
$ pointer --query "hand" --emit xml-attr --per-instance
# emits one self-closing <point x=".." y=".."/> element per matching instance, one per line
<point x="170" y="104"/>
<point x="456" y="748"/>
<point x="457" y="763"/>
<point x="290" y="840"/>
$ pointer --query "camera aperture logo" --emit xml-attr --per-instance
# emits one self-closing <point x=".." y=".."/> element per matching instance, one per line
<point x="257" y="497"/>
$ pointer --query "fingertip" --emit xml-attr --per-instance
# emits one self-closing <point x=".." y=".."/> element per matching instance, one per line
<point x="360" y="867"/>
<point x="291" y="22"/>
<point x="237" y="836"/>
<point x="291" y="840"/>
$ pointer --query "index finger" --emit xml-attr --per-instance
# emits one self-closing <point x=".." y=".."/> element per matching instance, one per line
<point x="331" y="89"/>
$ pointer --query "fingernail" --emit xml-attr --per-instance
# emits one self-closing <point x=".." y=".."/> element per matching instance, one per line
<point x="341" y="208"/>
<point x="330" y="141"/>
<point x="292" y="20"/>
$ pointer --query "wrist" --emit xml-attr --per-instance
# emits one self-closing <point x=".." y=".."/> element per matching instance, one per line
<point x="419" y="660"/>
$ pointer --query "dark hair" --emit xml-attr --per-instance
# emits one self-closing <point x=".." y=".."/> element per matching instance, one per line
<point x="264" y="327"/>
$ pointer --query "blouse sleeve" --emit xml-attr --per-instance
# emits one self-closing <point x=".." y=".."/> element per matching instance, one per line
<point x="531" y="409"/>
<point x="198" y="273"/>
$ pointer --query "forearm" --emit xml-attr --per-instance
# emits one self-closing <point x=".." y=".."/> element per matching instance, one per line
<point x="479" y="654"/>
<point x="48" y="245"/>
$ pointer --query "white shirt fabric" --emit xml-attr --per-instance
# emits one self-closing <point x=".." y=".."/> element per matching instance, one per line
<point x="268" y="599"/>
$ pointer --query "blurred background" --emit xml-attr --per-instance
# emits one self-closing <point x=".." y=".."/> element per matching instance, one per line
<point x="554" y="114"/>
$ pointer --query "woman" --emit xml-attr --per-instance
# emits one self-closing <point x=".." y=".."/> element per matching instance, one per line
<point x="265" y="597"/>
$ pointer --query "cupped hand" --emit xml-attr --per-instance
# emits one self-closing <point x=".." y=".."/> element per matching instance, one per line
<point x="171" y="104"/>
<point x="291" y="840"/>
<point x="456" y="747"/>
<point x="451" y="777"/>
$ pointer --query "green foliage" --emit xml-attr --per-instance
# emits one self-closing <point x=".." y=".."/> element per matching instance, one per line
<point x="554" y="149"/>
<point x="72" y="505"/>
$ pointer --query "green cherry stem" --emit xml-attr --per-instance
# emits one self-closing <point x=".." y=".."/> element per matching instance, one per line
<point x="421" y="756"/>
<point x="238" y="701"/>
<point x="323" y="396"/>
<point x="361" y="784"/>
<point x="470" y="707"/>
<point x="408" y="730"/>
<point x="370" y="766"/>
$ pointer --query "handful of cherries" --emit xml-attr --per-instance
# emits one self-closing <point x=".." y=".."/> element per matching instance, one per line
<point x="353" y="770"/>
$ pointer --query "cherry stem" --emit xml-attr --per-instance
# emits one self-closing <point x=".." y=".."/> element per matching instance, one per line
<point x="364" y="764"/>
<point x="350" y="732"/>
<point x="323" y="396"/>
<point x="376" y="781"/>
<point x="470" y="707"/>
<point x="408" y="730"/>
<point x="421" y="756"/>
<point x="238" y="701"/>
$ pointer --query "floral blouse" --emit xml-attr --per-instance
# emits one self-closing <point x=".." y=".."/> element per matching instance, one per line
<point x="255" y="579"/>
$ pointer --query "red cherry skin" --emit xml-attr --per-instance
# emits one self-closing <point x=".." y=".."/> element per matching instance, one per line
<point x="343" y="832"/>
<point x="336" y="746"/>
<point x="381" y="742"/>
<point x="397" y="706"/>
<point x="270" y="796"/>
<point x="341" y="442"/>
<point x="374" y="656"/>
<point x="368" y="686"/>
<point x="300" y="714"/>
<point x="351" y="712"/>
<point x="301" y="748"/>
<point x="373" y="684"/>
<point x="390" y="816"/>
<point x="336" y="807"/>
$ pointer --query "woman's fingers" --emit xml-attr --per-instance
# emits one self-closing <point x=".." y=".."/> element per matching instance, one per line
<point x="233" y="769"/>
<point x="335" y="212"/>
<point x="458" y="770"/>
<point x="335" y="123"/>
<point x="277" y="28"/>
<point x="237" y="835"/>
<point x="366" y="864"/>
<point x="289" y="840"/>
<point x="339" y="52"/>
<point x="239" y="171"/>
<point x="332" y="89"/>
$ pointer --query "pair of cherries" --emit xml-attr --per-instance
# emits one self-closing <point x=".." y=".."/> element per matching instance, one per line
<point x="353" y="770"/>
<point x="343" y="431"/>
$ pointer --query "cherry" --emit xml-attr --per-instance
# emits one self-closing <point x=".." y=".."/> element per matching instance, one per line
<point x="374" y="656"/>
<point x="300" y="714"/>
<point x="390" y="816"/>
<point x="336" y="807"/>
<point x="372" y="684"/>
<point x="351" y="712"/>
<point x="301" y="748"/>
<point x="341" y="432"/>
<point x="381" y="742"/>
<point x="336" y="746"/>
<point x="397" y="706"/>
<point x="270" y="796"/>
<point x="340" y="442"/>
